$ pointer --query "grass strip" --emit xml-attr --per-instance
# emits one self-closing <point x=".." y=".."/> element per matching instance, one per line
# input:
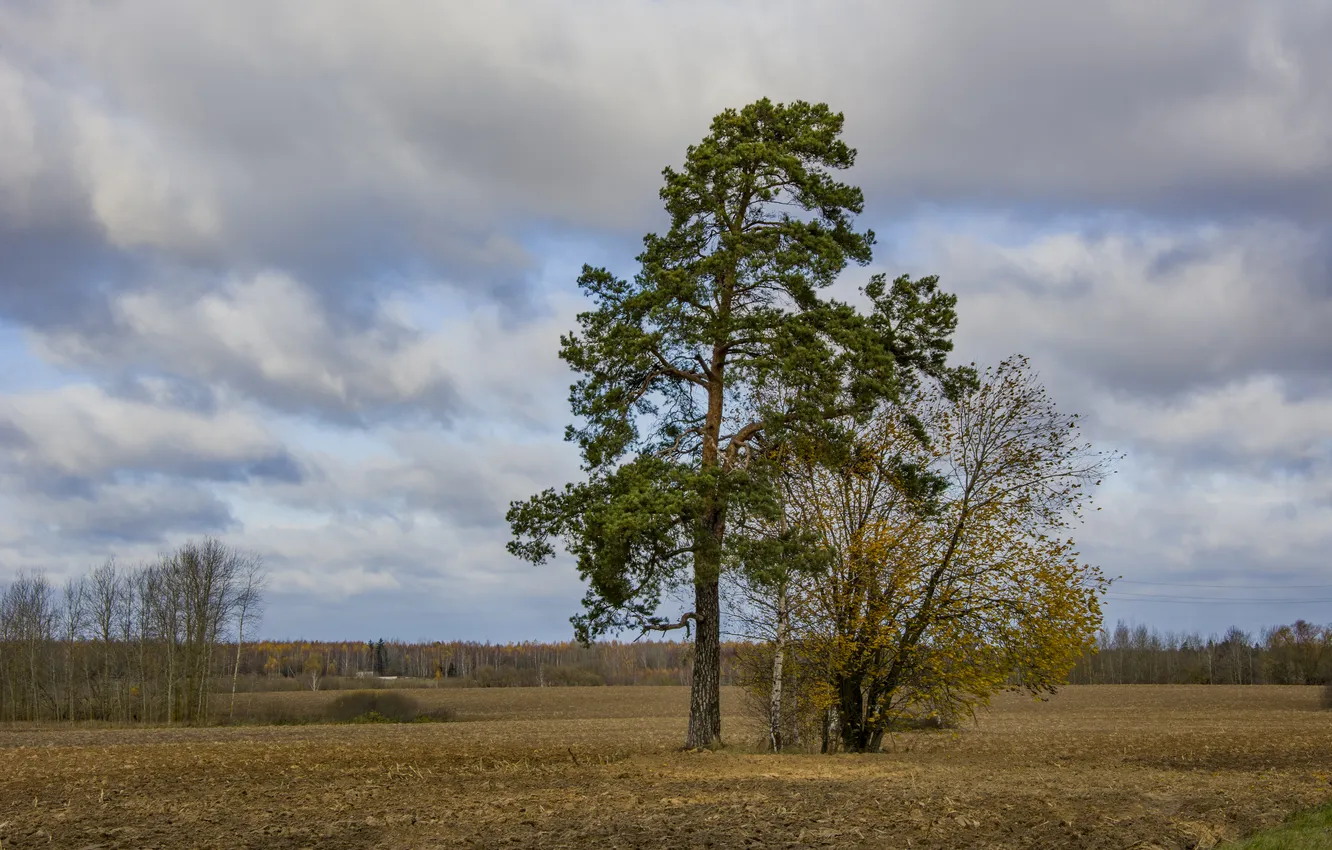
<point x="1310" y="830"/>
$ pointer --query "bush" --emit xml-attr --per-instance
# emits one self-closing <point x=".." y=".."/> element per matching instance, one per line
<point x="383" y="706"/>
<point x="582" y="675"/>
<point x="435" y="715"/>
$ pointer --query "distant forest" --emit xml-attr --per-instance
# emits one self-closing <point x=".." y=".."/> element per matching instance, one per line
<point x="1297" y="654"/>
<point x="269" y="665"/>
<point x="158" y="643"/>
<point x="125" y="680"/>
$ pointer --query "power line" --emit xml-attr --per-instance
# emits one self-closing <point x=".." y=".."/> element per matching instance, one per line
<point x="1227" y="586"/>
<point x="1144" y="597"/>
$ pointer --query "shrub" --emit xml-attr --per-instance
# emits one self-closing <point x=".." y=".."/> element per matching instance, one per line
<point x="582" y="675"/>
<point x="803" y="713"/>
<point x="385" y="706"/>
<point x="382" y="706"/>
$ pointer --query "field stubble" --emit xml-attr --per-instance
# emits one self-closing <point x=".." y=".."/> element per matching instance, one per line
<point x="1096" y="766"/>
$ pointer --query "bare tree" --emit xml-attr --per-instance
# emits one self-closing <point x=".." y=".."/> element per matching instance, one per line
<point x="249" y="604"/>
<point x="72" y="621"/>
<point x="29" y="615"/>
<point x="107" y="591"/>
<point x="129" y="644"/>
<point x="209" y="579"/>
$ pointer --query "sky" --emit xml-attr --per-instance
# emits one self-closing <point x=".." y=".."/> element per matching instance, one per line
<point x="295" y="275"/>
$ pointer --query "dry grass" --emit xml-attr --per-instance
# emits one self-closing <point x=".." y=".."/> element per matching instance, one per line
<point x="1094" y="767"/>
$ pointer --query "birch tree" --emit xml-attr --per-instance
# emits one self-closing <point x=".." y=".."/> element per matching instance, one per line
<point x="954" y="573"/>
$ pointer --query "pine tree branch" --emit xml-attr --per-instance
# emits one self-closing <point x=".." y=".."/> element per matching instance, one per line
<point x="657" y="624"/>
<point x="675" y="446"/>
<point x="684" y="374"/>
<point x="740" y="438"/>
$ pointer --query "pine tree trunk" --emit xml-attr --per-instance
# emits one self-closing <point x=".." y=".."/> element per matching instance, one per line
<point x="705" y="693"/>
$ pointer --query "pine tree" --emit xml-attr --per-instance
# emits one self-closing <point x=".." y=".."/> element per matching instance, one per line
<point x="728" y="299"/>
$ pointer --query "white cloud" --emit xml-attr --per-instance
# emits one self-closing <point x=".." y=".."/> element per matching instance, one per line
<point x="332" y="584"/>
<point x="271" y="339"/>
<point x="134" y="194"/>
<point x="1250" y="425"/>
<point x="428" y="477"/>
<point x="80" y="430"/>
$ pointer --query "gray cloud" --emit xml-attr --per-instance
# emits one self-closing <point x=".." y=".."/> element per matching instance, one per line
<point x="1201" y="352"/>
<point x="1146" y="311"/>
<point x="79" y="433"/>
<point x="423" y="477"/>
<point x="1184" y="527"/>
<point x="119" y="514"/>
<point x="1250" y="428"/>
<point x="364" y="154"/>
<point x="65" y="531"/>
<point x="267" y="338"/>
<point x="352" y="150"/>
<point x="421" y="559"/>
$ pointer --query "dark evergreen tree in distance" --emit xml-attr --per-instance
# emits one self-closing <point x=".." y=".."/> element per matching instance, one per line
<point x="726" y="301"/>
<point x="381" y="658"/>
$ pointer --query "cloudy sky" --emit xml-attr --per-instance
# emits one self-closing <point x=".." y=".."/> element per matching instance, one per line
<point x="295" y="274"/>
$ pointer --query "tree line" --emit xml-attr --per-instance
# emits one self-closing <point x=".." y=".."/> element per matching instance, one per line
<point x="157" y="643"/>
<point x="128" y="643"/>
<point x="316" y="665"/>
<point x="1296" y="654"/>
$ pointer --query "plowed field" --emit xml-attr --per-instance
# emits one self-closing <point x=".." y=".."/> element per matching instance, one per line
<point x="598" y="767"/>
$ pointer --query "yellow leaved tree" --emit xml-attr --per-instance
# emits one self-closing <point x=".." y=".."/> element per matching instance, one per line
<point x="950" y="571"/>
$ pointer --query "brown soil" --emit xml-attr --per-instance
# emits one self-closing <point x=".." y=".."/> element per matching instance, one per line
<point x="597" y="767"/>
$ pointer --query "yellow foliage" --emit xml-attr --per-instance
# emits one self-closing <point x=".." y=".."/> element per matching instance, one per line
<point x="940" y="594"/>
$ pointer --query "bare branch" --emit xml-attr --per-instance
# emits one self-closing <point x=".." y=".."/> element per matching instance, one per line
<point x="659" y="624"/>
<point x="684" y="374"/>
<point x="675" y="446"/>
<point x="645" y="385"/>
